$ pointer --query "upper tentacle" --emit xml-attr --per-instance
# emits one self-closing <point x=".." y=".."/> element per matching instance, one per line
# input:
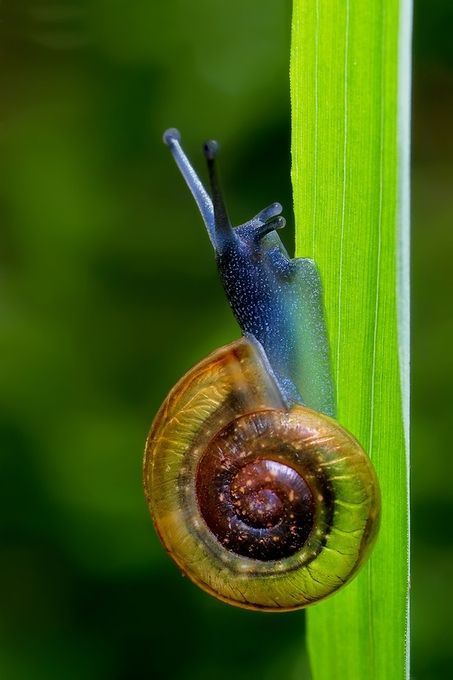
<point x="172" y="139"/>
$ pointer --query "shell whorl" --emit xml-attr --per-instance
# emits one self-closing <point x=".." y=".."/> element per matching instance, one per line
<point x="255" y="503"/>
<point x="262" y="506"/>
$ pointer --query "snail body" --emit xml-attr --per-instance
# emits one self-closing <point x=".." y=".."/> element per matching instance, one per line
<point x="256" y="492"/>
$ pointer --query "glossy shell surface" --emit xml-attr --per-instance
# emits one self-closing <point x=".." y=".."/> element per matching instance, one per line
<point x="226" y="465"/>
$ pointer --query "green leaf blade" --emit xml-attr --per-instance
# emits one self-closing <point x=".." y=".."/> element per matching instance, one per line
<point x="349" y="89"/>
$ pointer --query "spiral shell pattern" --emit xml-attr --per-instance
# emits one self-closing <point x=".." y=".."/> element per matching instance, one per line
<point x="263" y="507"/>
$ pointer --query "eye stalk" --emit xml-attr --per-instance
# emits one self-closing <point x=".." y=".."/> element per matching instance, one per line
<point x="222" y="225"/>
<point x="252" y="231"/>
<point x="172" y="138"/>
<point x="213" y="210"/>
<point x="211" y="149"/>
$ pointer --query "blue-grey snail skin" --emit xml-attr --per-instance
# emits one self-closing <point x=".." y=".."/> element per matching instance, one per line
<point x="257" y="493"/>
<point x="275" y="299"/>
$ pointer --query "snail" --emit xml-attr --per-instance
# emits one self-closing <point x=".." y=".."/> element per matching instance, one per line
<point x="258" y="494"/>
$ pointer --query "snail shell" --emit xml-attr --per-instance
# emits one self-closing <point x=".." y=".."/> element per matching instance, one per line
<point x="264" y="506"/>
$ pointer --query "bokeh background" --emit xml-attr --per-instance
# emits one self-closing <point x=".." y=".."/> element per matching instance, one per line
<point x="108" y="294"/>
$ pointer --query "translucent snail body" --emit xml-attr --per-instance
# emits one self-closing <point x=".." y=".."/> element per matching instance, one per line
<point x="259" y="496"/>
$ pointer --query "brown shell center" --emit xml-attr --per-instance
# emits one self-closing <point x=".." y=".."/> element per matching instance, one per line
<point x="256" y="504"/>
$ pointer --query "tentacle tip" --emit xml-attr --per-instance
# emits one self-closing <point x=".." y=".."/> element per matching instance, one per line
<point x="267" y="227"/>
<point x="211" y="149"/>
<point x="280" y="223"/>
<point x="171" y="135"/>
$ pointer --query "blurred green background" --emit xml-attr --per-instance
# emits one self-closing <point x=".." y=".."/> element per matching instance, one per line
<point x="108" y="294"/>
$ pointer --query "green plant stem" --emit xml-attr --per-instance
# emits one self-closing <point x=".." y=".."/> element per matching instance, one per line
<point x="350" y="90"/>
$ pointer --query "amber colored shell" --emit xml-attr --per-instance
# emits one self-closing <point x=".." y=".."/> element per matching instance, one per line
<point x="228" y="412"/>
